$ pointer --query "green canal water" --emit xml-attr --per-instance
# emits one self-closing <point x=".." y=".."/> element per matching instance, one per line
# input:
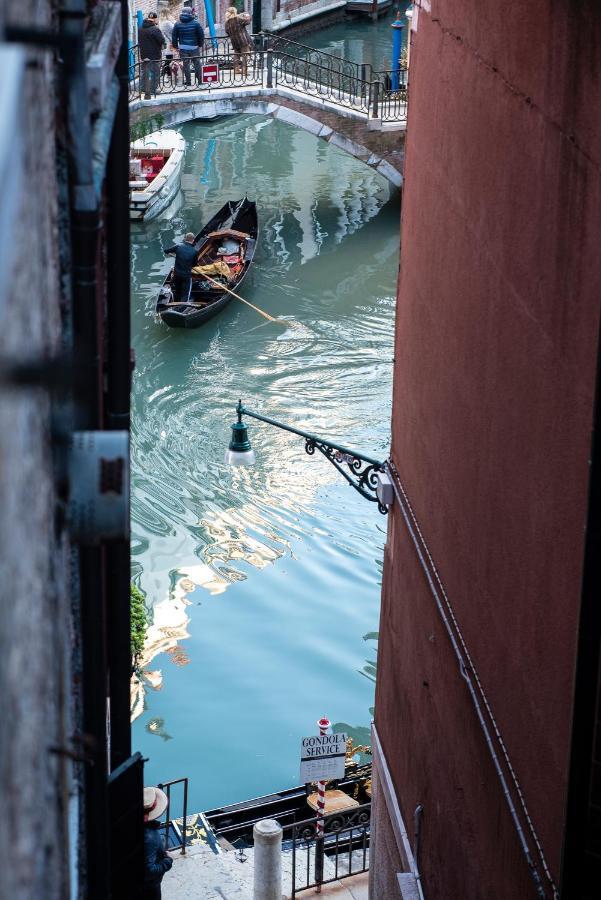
<point x="262" y="584"/>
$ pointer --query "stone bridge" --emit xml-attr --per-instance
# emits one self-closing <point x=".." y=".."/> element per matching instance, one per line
<point x="343" y="103"/>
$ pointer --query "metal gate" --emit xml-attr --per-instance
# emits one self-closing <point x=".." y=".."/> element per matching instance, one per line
<point x="345" y="844"/>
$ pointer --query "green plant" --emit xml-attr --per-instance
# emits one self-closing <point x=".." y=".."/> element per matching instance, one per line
<point x="143" y="127"/>
<point x="139" y="622"/>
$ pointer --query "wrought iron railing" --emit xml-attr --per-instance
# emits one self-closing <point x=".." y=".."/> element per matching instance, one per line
<point x="281" y="45"/>
<point x="276" y="61"/>
<point x="345" y="842"/>
<point x="170" y="841"/>
<point x="393" y="97"/>
<point x="310" y="78"/>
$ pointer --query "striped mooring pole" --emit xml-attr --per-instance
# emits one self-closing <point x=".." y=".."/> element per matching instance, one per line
<point x="323" y="724"/>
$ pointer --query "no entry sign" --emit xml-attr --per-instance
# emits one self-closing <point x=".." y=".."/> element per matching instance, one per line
<point x="322" y="757"/>
<point x="209" y="73"/>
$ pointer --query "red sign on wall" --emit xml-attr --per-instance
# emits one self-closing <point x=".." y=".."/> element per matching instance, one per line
<point x="209" y="73"/>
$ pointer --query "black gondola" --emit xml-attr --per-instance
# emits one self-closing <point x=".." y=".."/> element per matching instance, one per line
<point x="233" y="229"/>
<point x="235" y="822"/>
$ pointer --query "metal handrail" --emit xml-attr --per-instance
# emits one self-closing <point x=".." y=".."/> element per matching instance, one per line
<point x="363" y="70"/>
<point x="314" y="79"/>
<point x="264" y="41"/>
<point x="354" y="823"/>
<point x="349" y="85"/>
<point x="166" y="786"/>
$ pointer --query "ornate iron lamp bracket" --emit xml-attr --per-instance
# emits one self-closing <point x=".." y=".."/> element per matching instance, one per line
<point x="362" y="474"/>
<point x="360" y="471"/>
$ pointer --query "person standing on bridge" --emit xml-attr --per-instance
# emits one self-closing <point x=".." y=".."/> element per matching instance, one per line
<point x="242" y="45"/>
<point x="188" y="37"/>
<point x="150" y="45"/>
<point x="167" y="25"/>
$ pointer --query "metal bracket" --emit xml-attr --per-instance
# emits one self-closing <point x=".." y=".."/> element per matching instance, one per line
<point x="362" y="474"/>
<point x="98" y="507"/>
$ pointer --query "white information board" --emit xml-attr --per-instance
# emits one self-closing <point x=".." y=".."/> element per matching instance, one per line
<point x="322" y="757"/>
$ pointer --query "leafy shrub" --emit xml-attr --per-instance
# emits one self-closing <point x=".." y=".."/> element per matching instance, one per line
<point x="139" y="622"/>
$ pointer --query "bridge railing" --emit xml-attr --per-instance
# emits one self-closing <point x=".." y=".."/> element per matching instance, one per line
<point x="344" y="88"/>
<point x="393" y="95"/>
<point x="281" y="45"/>
<point x="173" y="75"/>
<point x="353" y="86"/>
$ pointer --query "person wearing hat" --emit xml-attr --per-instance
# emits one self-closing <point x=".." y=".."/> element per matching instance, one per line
<point x="157" y="860"/>
<point x="185" y="258"/>
<point x="150" y="46"/>
<point x="235" y="27"/>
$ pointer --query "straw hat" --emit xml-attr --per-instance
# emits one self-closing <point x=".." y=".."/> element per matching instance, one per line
<point x="155" y="803"/>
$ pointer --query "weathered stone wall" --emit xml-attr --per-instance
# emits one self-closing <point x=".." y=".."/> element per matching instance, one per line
<point x="34" y="613"/>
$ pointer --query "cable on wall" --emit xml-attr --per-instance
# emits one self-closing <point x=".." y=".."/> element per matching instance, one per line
<point x="470" y="675"/>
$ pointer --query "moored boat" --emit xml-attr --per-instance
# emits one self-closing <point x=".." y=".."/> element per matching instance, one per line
<point x="366" y="7"/>
<point x="154" y="172"/>
<point x="291" y="806"/>
<point x="225" y="250"/>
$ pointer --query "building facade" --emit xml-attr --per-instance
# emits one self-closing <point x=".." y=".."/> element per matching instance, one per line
<point x="70" y="785"/>
<point x="486" y="782"/>
<point x="267" y="15"/>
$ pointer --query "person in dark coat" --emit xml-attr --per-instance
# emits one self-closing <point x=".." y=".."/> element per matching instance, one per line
<point x="151" y="42"/>
<point x="188" y="37"/>
<point x="157" y="860"/>
<point x="241" y="41"/>
<point x="185" y="258"/>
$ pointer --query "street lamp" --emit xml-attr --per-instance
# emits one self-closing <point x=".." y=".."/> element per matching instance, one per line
<point x="369" y="477"/>
<point x="239" y="452"/>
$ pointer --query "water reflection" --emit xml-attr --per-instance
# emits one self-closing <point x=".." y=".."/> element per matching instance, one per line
<point x="260" y="582"/>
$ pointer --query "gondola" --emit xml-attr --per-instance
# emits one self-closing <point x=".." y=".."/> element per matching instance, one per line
<point x="235" y="822"/>
<point x="230" y="237"/>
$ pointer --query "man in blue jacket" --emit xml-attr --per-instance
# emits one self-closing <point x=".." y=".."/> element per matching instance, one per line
<point x="188" y="37"/>
<point x="185" y="258"/>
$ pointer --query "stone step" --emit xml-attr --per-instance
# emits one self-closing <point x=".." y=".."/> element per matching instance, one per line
<point x="203" y="874"/>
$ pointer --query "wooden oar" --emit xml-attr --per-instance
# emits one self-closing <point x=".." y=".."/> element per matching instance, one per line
<point x="286" y="322"/>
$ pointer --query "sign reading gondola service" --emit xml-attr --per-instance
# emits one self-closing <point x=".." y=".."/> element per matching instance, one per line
<point x="322" y="757"/>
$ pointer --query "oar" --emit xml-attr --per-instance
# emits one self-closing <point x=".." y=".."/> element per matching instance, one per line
<point x="286" y="322"/>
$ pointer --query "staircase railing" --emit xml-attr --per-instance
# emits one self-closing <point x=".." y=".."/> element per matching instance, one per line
<point x="166" y="786"/>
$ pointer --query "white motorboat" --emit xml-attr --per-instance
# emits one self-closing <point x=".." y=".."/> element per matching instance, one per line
<point x="154" y="171"/>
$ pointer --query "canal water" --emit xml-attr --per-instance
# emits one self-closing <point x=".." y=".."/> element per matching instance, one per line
<point x="359" y="40"/>
<point x="262" y="584"/>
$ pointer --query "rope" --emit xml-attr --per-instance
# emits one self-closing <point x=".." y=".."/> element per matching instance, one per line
<point x="457" y="639"/>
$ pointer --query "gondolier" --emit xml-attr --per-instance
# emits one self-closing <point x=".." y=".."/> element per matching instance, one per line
<point x="185" y="258"/>
<point x="223" y="253"/>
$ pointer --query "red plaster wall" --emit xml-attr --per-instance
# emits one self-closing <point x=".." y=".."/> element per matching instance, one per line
<point x="497" y="331"/>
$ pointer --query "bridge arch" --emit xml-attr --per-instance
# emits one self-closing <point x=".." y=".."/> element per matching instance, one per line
<point x="354" y="138"/>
